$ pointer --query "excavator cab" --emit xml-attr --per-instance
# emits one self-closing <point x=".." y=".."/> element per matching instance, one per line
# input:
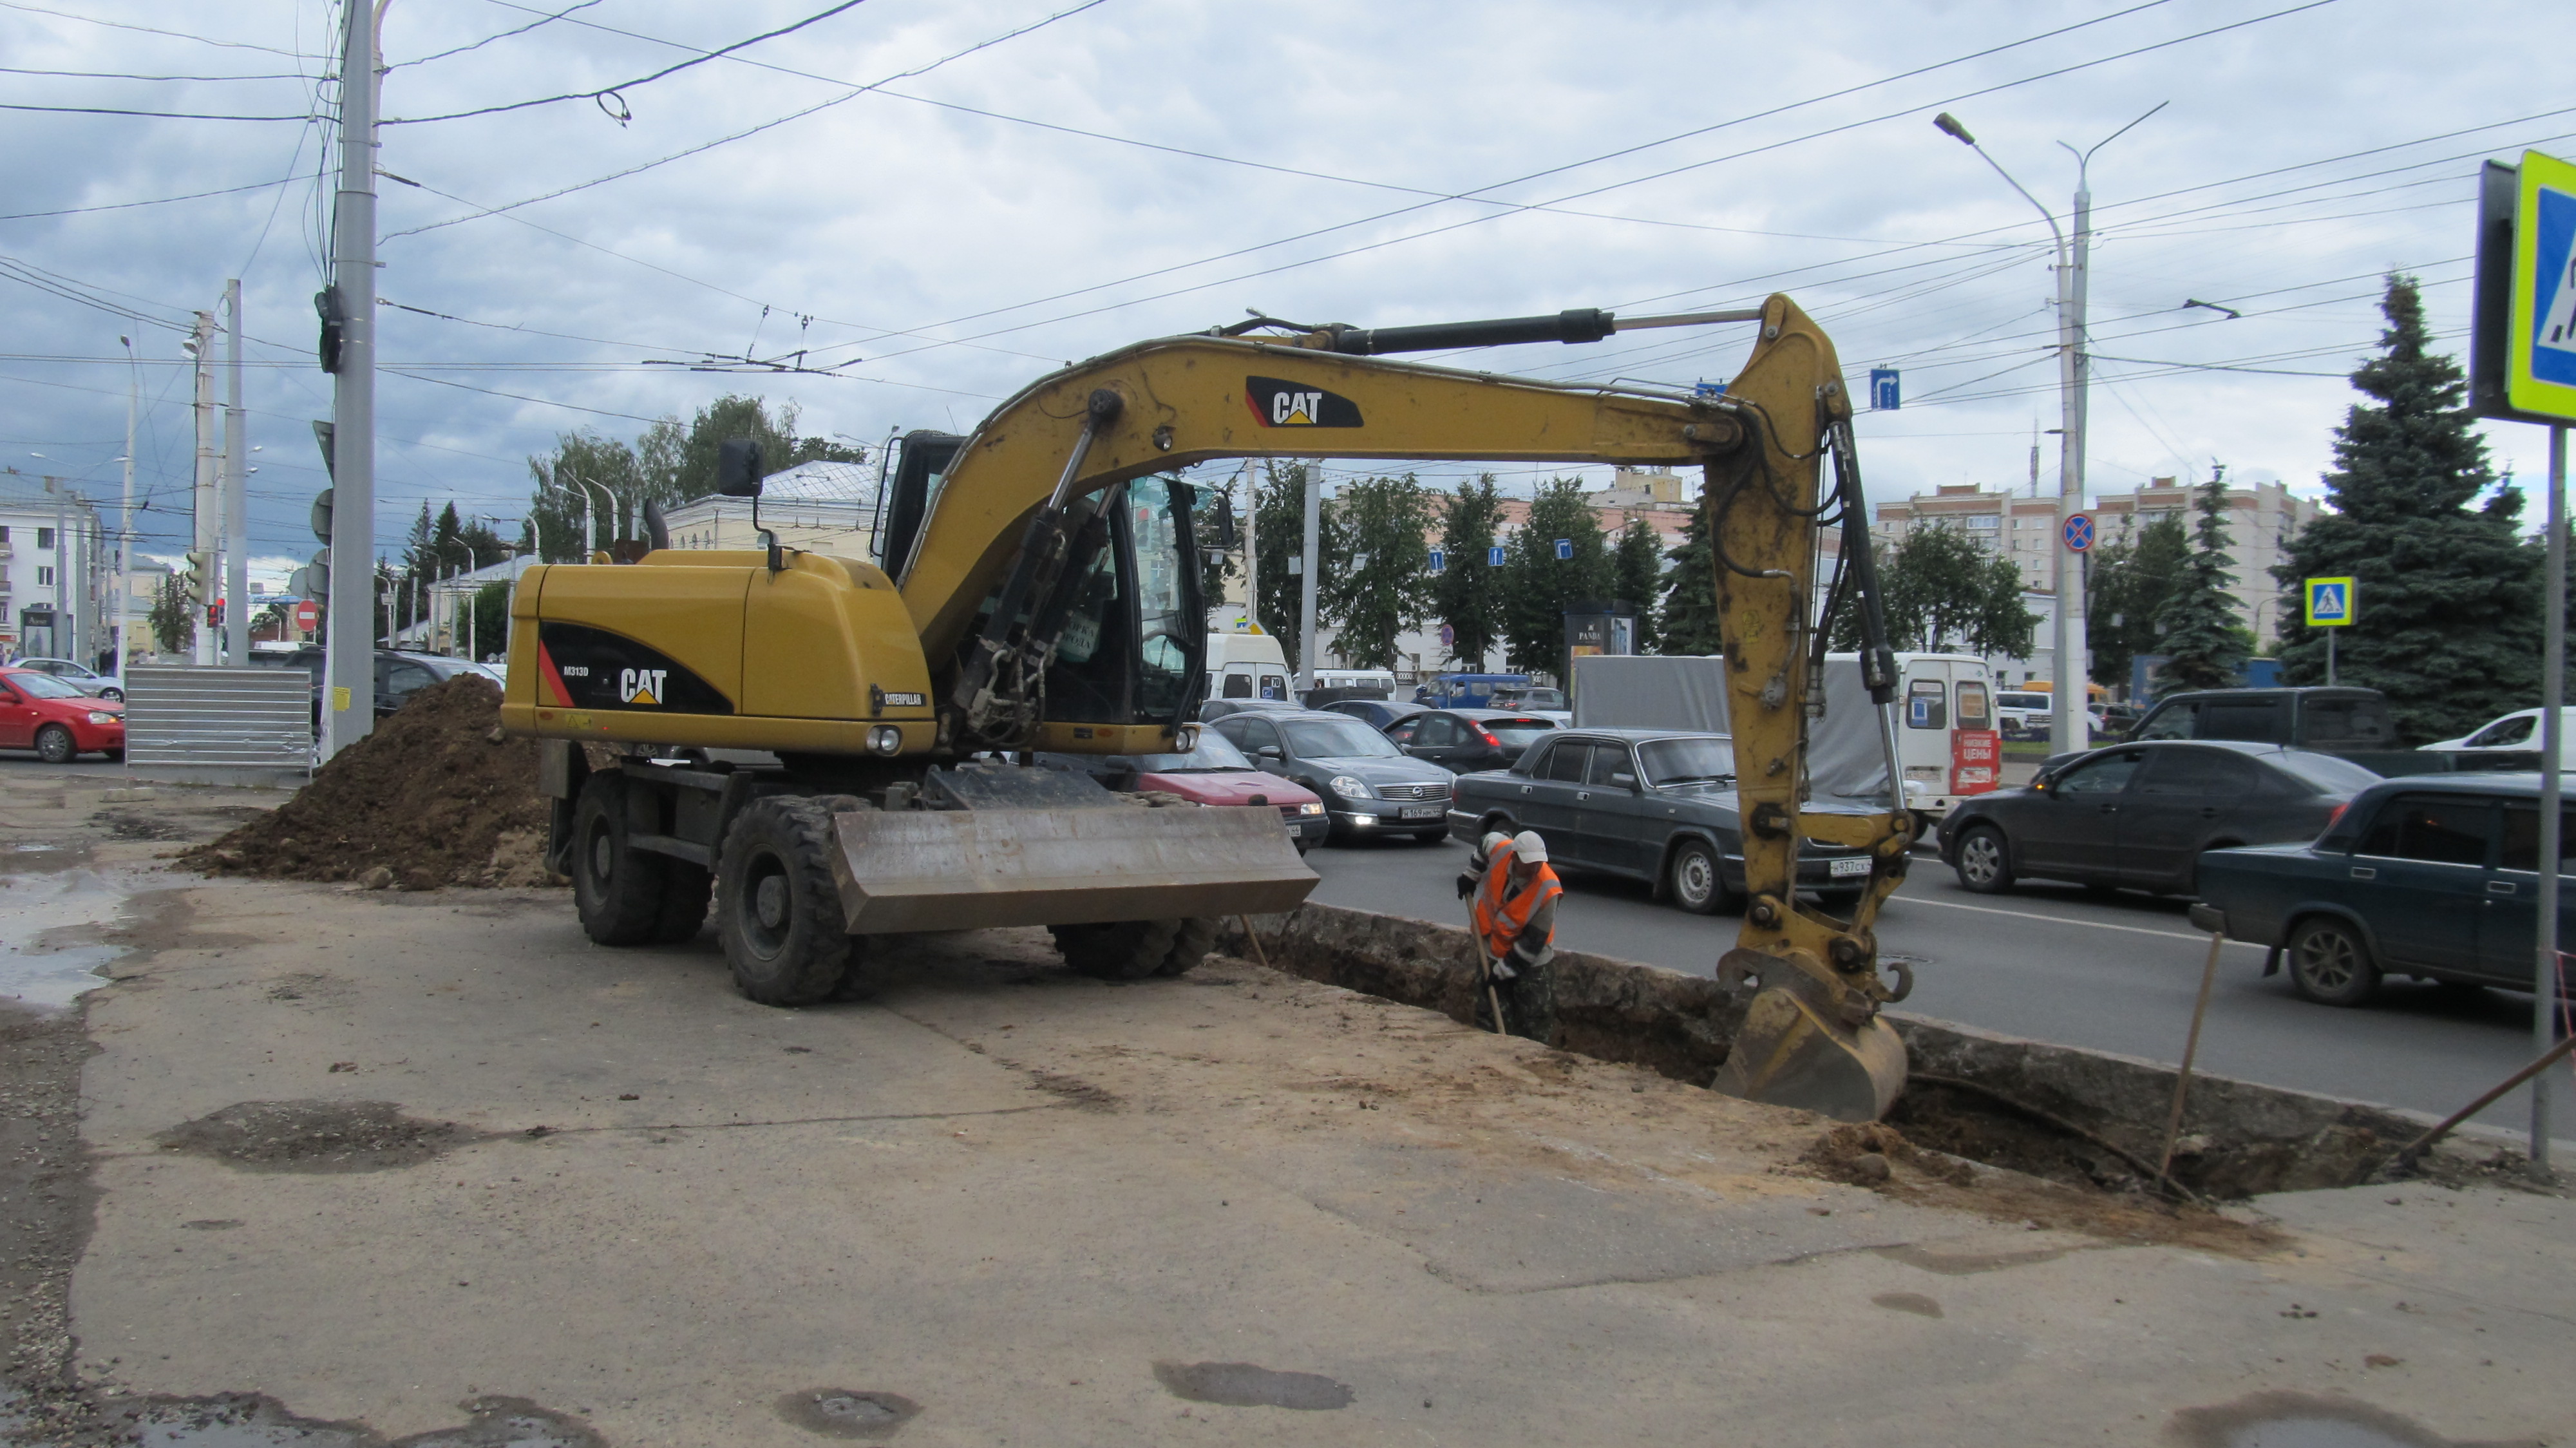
<point x="1127" y="652"/>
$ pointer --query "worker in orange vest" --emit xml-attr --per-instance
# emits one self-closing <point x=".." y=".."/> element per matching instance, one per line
<point x="1515" y="922"/>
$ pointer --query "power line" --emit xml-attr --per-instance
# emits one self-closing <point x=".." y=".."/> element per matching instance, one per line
<point x="126" y="75"/>
<point x="149" y="30"/>
<point x="155" y="201"/>
<point x="487" y="40"/>
<point x="615" y="90"/>
<point x="739" y="135"/>
<point x="152" y="115"/>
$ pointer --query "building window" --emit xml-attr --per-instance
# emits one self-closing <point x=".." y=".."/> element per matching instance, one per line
<point x="44" y="576"/>
<point x="44" y="537"/>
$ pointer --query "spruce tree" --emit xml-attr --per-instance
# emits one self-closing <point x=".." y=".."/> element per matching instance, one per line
<point x="1638" y="568"/>
<point x="2203" y="643"/>
<point x="1468" y="596"/>
<point x="1688" y="623"/>
<point x="2446" y="613"/>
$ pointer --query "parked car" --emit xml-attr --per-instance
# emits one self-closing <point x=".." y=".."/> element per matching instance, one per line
<point x="1378" y="714"/>
<point x="1649" y="804"/>
<point x="1535" y="699"/>
<point x="2353" y="723"/>
<point x="2432" y="877"/>
<point x="2023" y="714"/>
<point x="1464" y="691"/>
<point x="59" y="722"/>
<point x="2511" y="742"/>
<point x="1214" y="774"/>
<point x="80" y="676"/>
<point x="2140" y="816"/>
<point x="1215" y="709"/>
<point x="1465" y="740"/>
<point x="1367" y="785"/>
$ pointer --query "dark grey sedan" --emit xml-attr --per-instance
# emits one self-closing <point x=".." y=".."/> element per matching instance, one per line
<point x="2138" y="816"/>
<point x="1367" y="785"/>
<point x="1464" y="740"/>
<point x="1650" y="804"/>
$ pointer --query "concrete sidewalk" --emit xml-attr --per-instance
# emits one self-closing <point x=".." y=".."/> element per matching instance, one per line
<point x="597" y="1194"/>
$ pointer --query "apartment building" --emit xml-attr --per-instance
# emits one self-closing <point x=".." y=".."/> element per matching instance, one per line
<point x="50" y="559"/>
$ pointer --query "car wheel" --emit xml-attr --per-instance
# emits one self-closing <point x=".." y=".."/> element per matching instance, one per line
<point x="54" y="744"/>
<point x="2331" y="965"/>
<point x="1696" y="880"/>
<point x="1984" y="861"/>
<point x="112" y="695"/>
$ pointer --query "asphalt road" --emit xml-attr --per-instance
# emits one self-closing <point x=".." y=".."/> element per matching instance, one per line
<point x="2055" y="964"/>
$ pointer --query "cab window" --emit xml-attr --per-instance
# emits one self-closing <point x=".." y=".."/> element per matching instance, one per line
<point x="1610" y="766"/>
<point x="2172" y="721"/>
<point x="2437" y="831"/>
<point x="2256" y="721"/>
<point x="1437" y="732"/>
<point x="1255" y="735"/>
<point x="1973" y="712"/>
<point x="2522" y="838"/>
<point x="2504" y="732"/>
<point x="1238" y="686"/>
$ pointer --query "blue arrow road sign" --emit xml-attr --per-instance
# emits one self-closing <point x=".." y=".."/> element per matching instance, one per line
<point x="1494" y="557"/>
<point x="2078" y="532"/>
<point x="1439" y="560"/>
<point x="1884" y="393"/>
<point x="1564" y="548"/>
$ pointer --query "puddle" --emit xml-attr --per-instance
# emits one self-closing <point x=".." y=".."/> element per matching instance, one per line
<point x="315" y="1136"/>
<point x="2307" y="1420"/>
<point x="1243" y="1385"/>
<point x="848" y="1413"/>
<point x="49" y="955"/>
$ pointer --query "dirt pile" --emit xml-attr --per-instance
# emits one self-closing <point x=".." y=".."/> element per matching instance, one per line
<point x="437" y="795"/>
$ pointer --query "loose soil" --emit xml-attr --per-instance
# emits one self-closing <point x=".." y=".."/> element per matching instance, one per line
<point x="314" y="1136"/>
<point x="437" y="795"/>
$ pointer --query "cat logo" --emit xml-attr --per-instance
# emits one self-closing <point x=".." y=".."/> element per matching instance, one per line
<point x="1276" y="402"/>
<point x="641" y="686"/>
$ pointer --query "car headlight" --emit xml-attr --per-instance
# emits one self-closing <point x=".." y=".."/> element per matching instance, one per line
<point x="1349" y="788"/>
<point x="101" y="716"/>
<point x="1311" y="807"/>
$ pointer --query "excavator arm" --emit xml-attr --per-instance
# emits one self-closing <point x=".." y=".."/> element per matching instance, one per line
<point x="1011" y="512"/>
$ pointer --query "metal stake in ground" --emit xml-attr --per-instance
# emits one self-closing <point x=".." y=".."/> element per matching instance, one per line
<point x="2190" y="1048"/>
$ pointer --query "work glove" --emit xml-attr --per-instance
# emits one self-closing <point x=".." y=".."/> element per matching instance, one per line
<point x="1466" y="885"/>
<point x="1502" y="972"/>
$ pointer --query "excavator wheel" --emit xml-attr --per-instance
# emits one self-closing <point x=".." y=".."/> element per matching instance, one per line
<point x="684" y="902"/>
<point x="777" y="909"/>
<point x="1120" y="950"/>
<point x="1196" y="938"/>
<point x="618" y="890"/>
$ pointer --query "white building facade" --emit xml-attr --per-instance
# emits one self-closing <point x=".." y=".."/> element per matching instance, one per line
<point x="53" y="558"/>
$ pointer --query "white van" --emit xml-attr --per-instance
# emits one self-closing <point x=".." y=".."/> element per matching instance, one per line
<point x="1946" y="736"/>
<point x="1246" y="666"/>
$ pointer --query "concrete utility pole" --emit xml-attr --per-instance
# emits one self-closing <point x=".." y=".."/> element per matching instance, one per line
<point x="125" y="518"/>
<point x="236" y="493"/>
<point x="202" y="505"/>
<point x="1251" y="549"/>
<point x="2067" y="727"/>
<point x="349" y="695"/>
<point x="58" y="641"/>
<point x="1306" y="581"/>
<point x="2553" y="699"/>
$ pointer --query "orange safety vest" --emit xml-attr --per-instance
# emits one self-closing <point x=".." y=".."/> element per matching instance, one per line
<point x="1499" y="922"/>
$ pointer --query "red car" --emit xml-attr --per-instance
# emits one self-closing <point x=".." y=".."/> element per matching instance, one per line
<point x="1216" y="773"/>
<point x="59" y="722"/>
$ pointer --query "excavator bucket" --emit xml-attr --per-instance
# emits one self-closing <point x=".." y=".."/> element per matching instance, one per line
<point x="971" y="868"/>
<point x="1788" y="1053"/>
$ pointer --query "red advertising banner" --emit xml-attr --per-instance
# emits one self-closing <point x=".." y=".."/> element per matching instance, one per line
<point x="1975" y="756"/>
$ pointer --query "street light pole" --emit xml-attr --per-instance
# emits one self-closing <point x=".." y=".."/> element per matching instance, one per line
<point x="348" y="712"/>
<point x="2067" y="731"/>
<point x="125" y="520"/>
<point x="236" y="491"/>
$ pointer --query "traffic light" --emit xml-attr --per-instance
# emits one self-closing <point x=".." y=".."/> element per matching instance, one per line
<point x="201" y="576"/>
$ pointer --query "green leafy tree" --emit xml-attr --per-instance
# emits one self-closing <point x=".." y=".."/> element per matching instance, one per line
<point x="669" y="463"/>
<point x="173" y="615"/>
<point x="1537" y="585"/>
<point x="1382" y="586"/>
<point x="2130" y="577"/>
<point x="1945" y="592"/>
<point x="568" y="510"/>
<point x="1688" y="624"/>
<point x="2204" y="644"/>
<point x="2446" y="620"/>
<point x="1468" y="596"/>
<point x="1637" y="565"/>
<point x="1282" y="529"/>
<point x="491" y="620"/>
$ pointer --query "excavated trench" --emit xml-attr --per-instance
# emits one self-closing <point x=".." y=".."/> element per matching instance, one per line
<point x="2085" y="1119"/>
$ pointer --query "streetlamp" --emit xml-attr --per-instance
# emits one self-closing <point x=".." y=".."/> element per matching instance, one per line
<point x="2067" y="634"/>
<point x="589" y="518"/>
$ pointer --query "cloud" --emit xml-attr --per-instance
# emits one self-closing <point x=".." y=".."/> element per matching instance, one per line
<point x="950" y="256"/>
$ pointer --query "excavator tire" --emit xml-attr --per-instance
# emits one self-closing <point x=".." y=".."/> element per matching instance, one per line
<point x="1120" y="950"/>
<point x="617" y="889"/>
<point x="684" y="902"/>
<point x="777" y="910"/>
<point x="1196" y="938"/>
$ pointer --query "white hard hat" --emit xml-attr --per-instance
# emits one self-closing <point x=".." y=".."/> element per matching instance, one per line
<point x="1529" y="847"/>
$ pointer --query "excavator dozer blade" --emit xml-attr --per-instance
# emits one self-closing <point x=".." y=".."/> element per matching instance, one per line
<point x="1788" y="1054"/>
<point x="962" y="869"/>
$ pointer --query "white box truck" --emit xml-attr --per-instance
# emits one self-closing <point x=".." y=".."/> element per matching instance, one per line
<point x="1945" y="716"/>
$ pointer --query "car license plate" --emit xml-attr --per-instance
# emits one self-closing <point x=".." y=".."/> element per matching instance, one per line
<point x="1423" y="812"/>
<point x="1854" y="865"/>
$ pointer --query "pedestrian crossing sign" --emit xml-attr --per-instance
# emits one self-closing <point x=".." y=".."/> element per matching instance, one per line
<point x="2329" y="602"/>
<point x="2540" y="350"/>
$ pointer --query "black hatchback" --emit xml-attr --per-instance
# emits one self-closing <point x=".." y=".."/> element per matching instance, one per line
<point x="2138" y="816"/>
<point x="1460" y="740"/>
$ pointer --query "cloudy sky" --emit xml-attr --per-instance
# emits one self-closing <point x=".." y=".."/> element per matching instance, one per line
<point x="940" y="201"/>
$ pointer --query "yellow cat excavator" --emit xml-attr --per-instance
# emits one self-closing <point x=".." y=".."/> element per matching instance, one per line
<point x="1037" y="589"/>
